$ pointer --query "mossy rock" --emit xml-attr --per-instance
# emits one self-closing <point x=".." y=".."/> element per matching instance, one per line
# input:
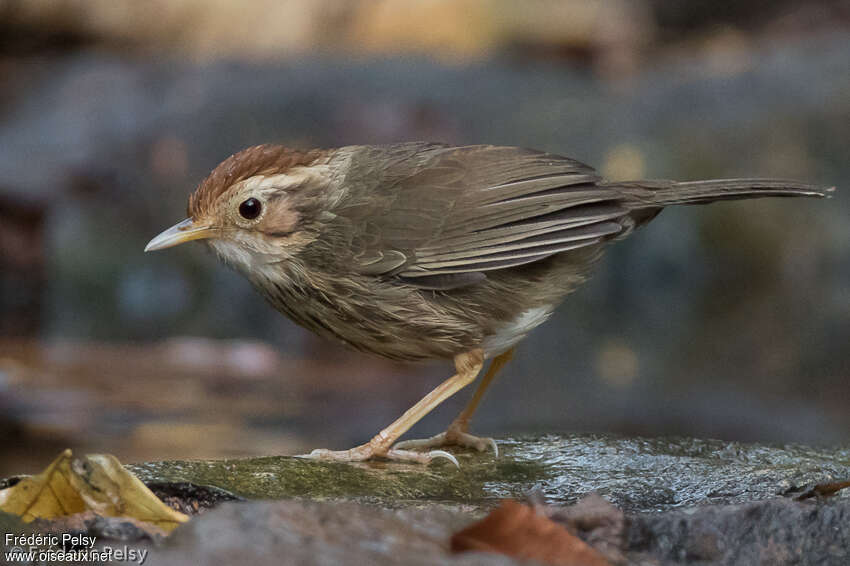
<point x="636" y="474"/>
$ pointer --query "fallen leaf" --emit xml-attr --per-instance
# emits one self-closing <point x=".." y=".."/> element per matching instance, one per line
<point x="97" y="482"/>
<point x="820" y="490"/>
<point x="517" y="530"/>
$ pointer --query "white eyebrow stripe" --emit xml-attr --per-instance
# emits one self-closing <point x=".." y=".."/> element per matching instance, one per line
<point x="295" y="177"/>
<point x="262" y="182"/>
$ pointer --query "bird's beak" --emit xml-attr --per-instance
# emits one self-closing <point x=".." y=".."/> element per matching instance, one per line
<point x="180" y="233"/>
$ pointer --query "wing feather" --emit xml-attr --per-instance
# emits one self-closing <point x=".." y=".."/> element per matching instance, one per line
<point x="442" y="216"/>
<point x="530" y="241"/>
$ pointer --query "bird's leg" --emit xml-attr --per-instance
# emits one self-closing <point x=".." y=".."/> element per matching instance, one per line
<point x="467" y="365"/>
<point x="458" y="432"/>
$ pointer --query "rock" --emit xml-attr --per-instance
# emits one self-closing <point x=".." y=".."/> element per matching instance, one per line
<point x="658" y="501"/>
<point x="635" y="474"/>
<point x="190" y="498"/>
<point x="310" y="532"/>
<point x="12" y="524"/>
<point x="677" y="500"/>
<point x="780" y="531"/>
<point x="777" y="531"/>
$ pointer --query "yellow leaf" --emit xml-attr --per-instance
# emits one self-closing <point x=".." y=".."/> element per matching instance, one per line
<point x="97" y="482"/>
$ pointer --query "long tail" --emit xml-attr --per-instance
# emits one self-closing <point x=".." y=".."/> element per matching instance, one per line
<point x="665" y="193"/>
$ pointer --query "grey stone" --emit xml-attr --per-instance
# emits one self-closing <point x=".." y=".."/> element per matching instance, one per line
<point x="319" y="533"/>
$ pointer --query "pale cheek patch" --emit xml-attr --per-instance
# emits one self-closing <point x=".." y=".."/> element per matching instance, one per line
<point x="279" y="219"/>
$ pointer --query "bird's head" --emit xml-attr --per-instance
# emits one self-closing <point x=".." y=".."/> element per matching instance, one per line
<point x="256" y="208"/>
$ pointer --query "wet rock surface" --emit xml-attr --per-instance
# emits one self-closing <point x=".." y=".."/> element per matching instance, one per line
<point x="635" y="474"/>
<point x="633" y="500"/>
<point x="673" y="501"/>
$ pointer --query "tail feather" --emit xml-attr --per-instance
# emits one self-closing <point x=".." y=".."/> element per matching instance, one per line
<point x="665" y="193"/>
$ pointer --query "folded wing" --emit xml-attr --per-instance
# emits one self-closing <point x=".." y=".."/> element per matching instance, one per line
<point x="442" y="217"/>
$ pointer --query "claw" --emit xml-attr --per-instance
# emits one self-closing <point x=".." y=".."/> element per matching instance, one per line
<point x="443" y="454"/>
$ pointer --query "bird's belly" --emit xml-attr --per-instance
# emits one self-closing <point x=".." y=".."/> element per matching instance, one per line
<point x="509" y="334"/>
<point x="392" y="322"/>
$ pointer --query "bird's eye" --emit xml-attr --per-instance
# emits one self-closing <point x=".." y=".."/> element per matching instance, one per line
<point x="250" y="208"/>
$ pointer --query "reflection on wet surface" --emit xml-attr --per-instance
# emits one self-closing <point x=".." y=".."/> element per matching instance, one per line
<point x="183" y="398"/>
<point x="188" y="398"/>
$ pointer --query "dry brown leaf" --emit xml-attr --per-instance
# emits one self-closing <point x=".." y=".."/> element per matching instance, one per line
<point x="97" y="482"/>
<point x="827" y="489"/>
<point x="516" y="530"/>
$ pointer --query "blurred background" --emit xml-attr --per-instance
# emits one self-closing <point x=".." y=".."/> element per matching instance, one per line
<point x="729" y="321"/>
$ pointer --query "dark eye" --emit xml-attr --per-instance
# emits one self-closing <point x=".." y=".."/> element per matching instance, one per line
<point x="250" y="209"/>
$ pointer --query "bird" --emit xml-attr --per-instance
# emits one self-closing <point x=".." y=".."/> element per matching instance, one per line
<point x="418" y="251"/>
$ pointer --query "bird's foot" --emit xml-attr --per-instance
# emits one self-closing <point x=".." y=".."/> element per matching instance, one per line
<point x="368" y="452"/>
<point x="454" y="436"/>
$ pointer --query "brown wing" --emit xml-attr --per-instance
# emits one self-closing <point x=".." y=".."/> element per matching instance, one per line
<point x="441" y="216"/>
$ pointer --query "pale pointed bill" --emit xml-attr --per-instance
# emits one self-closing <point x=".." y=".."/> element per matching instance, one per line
<point x="180" y="233"/>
